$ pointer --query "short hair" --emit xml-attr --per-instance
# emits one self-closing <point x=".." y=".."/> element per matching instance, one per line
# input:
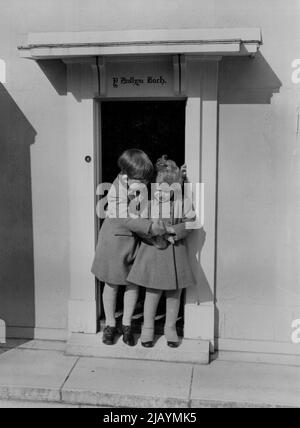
<point x="167" y="171"/>
<point x="136" y="164"/>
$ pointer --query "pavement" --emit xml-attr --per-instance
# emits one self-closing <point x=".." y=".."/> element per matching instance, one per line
<point x="40" y="374"/>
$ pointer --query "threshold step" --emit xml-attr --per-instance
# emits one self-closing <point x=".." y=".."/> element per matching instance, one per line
<point x="90" y="345"/>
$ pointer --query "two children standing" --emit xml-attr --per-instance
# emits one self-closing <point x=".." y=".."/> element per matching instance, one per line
<point x="142" y="251"/>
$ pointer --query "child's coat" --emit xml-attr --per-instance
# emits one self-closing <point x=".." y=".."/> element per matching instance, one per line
<point x="117" y="244"/>
<point x="166" y="269"/>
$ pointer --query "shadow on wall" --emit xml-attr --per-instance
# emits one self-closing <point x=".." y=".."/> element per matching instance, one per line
<point x="17" y="306"/>
<point x="56" y="72"/>
<point x="244" y="80"/>
<point x="203" y="293"/>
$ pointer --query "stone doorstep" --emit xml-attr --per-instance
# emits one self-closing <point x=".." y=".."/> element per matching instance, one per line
<point x="90" y="345"/>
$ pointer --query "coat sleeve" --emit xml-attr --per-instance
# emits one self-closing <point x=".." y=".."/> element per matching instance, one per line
<point x="181" y="231"/>
<point x="189" y="221"/>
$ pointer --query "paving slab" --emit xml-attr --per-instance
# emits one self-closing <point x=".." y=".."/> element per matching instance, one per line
<point x="46" y="345"/>
<point x="48" y="378"/>
<point x="13" y="343"/>
<point x="33" y="375"/>
<point x="128" y="383"/>
<point x="255" y="357"/>
<point x="90" y="345"/>
<point x="233" y="384"/>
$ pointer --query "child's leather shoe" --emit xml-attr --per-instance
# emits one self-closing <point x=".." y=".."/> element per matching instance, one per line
<point x="109" y="335"/>
<point x="128" y="337"/>
<point x="173" y="344"/>
<point x="147" y="344"/>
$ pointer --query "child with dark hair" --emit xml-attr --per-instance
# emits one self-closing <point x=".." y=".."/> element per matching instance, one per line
<point x="165" y="268"/>
<point x="136" y="165"/>
<point x="118" y="244"/>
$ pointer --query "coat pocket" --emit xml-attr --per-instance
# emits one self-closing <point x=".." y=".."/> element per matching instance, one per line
<point x="125" y="234"/>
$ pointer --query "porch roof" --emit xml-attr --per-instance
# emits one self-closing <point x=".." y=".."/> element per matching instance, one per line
<point x="210" y="41"/>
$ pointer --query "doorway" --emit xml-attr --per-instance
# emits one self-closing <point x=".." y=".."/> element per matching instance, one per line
<point x="156" y="127"/>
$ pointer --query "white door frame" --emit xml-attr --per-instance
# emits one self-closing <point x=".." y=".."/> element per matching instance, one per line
<point x="200" y="81"/>
<point x="202" y="159"/>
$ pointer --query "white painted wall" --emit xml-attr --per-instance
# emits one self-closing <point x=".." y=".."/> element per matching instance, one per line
<point x="34" y="183"/>
<point x="258" y="293"/>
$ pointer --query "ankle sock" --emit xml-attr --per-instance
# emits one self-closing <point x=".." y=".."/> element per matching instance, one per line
<point x="147" y="334"/>
<point x="171" y="334"/>
<point x="173" y="305"/>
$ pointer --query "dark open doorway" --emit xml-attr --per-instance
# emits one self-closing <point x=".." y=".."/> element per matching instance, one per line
<point x="157" y="127"/>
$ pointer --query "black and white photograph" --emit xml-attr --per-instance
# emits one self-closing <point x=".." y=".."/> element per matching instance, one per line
<point x="150" y="207"/>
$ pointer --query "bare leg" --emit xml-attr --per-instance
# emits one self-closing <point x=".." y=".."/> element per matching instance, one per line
<point x="173" y="306"/>
<point x="150" y="308"/>
<point x="131" y="296"/>
<point x="110" y="293"/>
